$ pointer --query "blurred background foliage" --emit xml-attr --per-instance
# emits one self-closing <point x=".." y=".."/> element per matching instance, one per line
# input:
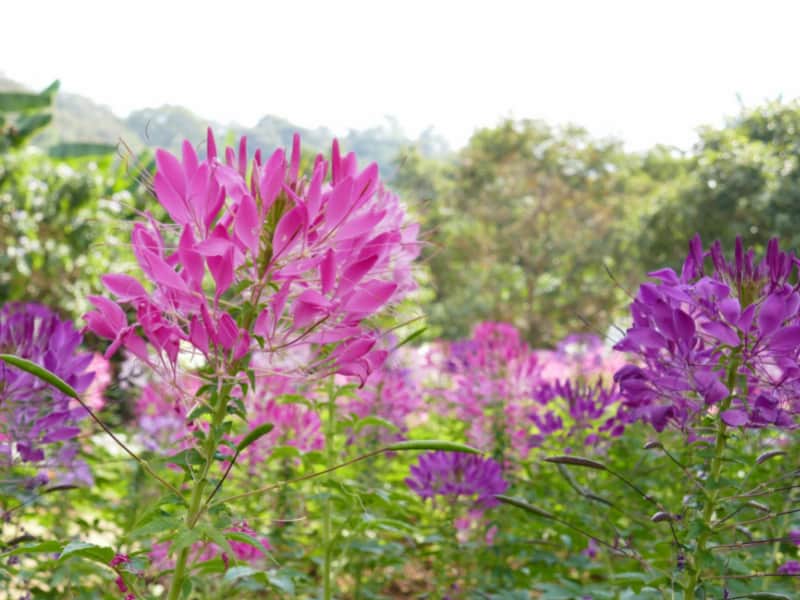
<point x="545" y="227"/>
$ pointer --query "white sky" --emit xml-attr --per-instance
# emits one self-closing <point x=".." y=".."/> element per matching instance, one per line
<point x="645" y="71"/>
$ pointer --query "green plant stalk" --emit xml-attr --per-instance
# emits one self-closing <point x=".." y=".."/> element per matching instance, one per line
<point x="713" y="495"/>
<point x="195" y="501"/>
<point x="330" y="433"/>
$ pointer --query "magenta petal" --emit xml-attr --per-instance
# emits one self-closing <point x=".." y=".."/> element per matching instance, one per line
<point x="287" y="231"/>
<point x="371" y="296"/>
<point x="247" y="224"/>
<point x="124" y="287"/>
<point x="734" y="417"/>
<point x="339" y="202"/>
<point x="327" y="271"/>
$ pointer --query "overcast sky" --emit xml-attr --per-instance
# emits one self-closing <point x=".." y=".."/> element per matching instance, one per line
<point x="643" y="71"/>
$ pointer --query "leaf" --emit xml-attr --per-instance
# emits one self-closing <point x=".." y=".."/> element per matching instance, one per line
<point x="768" y="455"/>
<point x="375" y="421"/>
<point x="284" y="452"/>
<point x="576" y="461"/>
<point x="411" y="337"/>
<point x="235" y="573"/>
<point x="520" y="503"/>
<point x="256" y="433"/>
<point x="216" y="536"/>
<point x="240" y="536"/>
<point x="42" y="547"/>
<point x="155" y="526"/>
<point x="101" y="554"/>
<point x="21" y="101"/>
<point x="432" y="445"/>
<point x="765" y="596"/>
<point x="41" y="373"/>
<point x="80" y="149"/>
<point x="281" y="582"/>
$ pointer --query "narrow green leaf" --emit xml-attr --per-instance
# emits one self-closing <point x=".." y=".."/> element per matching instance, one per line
<point x="520" y="503"/>
<point x="432" y="445"/>
<point x="411" y="337"/>
<point x="768" y="455"/>
<point x="80" y="150"/>
<point x="576" y="461"/>
<point x="256" y="433"/>
<point x="375" y="421"/>
<point x="48" y="547"/>
<point x="764" y="596"/>
<point x="240" y="536"/>
<point x="235" y="573"/>
<point x="41" y="373"/>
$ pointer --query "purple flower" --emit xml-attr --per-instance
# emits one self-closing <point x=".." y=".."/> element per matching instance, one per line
<point x="34" y="416"/>
<point x="589" y="409"/>
<point x="790" y="567"/>
<point x="457" y="474"/>
<point x="794" y="537"/>
<point x="694" y="333"/>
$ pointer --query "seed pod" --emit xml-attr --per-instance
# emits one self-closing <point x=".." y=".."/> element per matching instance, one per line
<point x="576" y="461"/>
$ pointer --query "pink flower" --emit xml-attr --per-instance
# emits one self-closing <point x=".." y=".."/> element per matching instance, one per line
<point x="310" y="257"/>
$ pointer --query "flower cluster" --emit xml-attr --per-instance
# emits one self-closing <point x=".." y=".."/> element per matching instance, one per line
<point x="494" y="374"/>
<point x="294" y="424"/>
<point x="258" y="257"/>
<point x="718" y="339"/>
<point x="578" y="410"/>
<point x="38" y="423"/>
<point x="391" y="393"/>
<point x="455" y="474"/>
<point x="162" y="419"/>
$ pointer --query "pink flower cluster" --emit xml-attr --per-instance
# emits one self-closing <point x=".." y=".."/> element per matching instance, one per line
<point x="391" y="393"/>
<point x="493" y="377"/>
<point x="256" y="257"/>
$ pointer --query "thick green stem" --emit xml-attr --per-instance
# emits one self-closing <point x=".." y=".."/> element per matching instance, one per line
<point x="330" y="433"/>
<point x="712" y="495"/>
<point x="195" y="501"/>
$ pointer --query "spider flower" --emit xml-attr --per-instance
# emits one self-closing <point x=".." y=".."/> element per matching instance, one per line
<point x="38" y="423"/>
<point x="460" y="475"/>
<point x="257" y="256"/>
<point x="577" y="410"/>
<point x="493" y="375"/>
<point x="722" y="338"/>
<point x="391" y="393"/>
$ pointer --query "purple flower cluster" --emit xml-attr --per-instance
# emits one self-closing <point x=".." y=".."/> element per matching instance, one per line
<point x="718" y="340"/>
<point x="457" y="474"/>
<point x="578" y="409"/>
<point x="33" y="414"/>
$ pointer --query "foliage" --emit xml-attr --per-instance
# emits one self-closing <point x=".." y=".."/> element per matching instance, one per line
<point x="314" y="457"/>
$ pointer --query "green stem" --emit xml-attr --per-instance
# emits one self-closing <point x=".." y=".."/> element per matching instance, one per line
<point x="330" y="432"/>
<point x="195" y="507"/>
<point x="713" y="495"/>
